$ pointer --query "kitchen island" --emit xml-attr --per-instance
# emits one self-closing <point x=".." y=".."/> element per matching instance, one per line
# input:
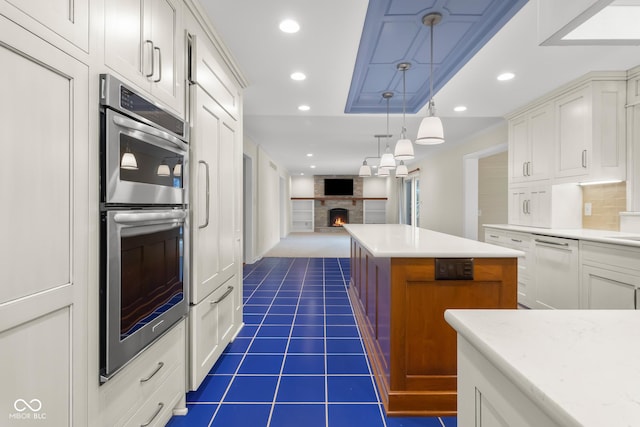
<point x="403" y="279"/>
<point x="548" y="367"/>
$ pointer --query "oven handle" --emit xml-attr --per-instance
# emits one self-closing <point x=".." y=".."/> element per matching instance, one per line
<point x="165" y="138"/>
<point x="148" y="218"/>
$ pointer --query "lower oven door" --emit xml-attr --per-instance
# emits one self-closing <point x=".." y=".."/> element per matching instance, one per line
<point x="143" y="283"/>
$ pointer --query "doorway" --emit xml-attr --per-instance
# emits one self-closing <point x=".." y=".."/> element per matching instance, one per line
<point x="472" y="214"/>
<point x="247" y="211"/>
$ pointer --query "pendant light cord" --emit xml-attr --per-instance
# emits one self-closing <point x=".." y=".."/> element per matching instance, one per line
<point x="431" y="112"/>
<point x="387" y="148"/>
<point x="404" y="99"/>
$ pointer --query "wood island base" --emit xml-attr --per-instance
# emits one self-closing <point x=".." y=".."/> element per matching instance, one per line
<point x="399" y="306"/>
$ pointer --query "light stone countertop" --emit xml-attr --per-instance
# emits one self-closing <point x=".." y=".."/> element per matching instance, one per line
<point x="602" y="236"/>
<point x="405" y="241"/>
<point x="581" y="367"/>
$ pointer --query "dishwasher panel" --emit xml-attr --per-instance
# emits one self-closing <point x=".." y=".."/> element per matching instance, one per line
<point x="556" y="273"/>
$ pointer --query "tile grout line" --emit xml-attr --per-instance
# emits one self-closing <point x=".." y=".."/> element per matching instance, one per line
<point x="286" y="350"/>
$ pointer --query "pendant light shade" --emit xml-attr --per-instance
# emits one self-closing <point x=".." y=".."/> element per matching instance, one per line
<point x="387" y="161"/>
<point x="403" y="150"/>
<point x="404" y="147"/>
<point x="401" y="170"/>
<point x="129" y="161"/>
<point x="365" y="170"/>
<point x="431" y="131"/>
<point x="383" y="172"/>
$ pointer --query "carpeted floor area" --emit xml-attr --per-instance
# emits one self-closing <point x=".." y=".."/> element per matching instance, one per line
<point x="312" y="245"/>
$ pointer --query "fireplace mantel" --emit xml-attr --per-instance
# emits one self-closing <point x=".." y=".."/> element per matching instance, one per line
<point x="353" y="199"/>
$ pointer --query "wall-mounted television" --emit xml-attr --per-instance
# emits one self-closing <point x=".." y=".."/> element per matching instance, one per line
<point x="338" y="187"/>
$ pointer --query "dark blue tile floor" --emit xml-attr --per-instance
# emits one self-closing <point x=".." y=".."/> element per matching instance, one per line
<point x="298" y="361"/>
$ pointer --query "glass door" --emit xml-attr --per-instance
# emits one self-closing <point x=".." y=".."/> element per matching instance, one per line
<point x="411" y="201"/>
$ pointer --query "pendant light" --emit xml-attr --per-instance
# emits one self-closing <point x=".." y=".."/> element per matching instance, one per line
<point x="404" y="147"/>
<point x="387" y="161"/>
<point x="431" y="131"/>
<point x="365" y="169"/>
<point x="383" y="172"/>
<point x="401" y="170"/>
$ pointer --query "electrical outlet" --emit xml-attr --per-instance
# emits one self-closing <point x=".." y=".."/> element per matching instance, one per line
<point x="587" y="209"/>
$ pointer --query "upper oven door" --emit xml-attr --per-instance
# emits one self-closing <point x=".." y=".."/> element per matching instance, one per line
<point x="141" y="164"/>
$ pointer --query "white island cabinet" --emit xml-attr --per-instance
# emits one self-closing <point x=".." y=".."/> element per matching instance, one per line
<point x="533" y="368"/>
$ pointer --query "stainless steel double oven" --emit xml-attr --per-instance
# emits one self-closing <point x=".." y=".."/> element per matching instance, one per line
<point x="144" y="222"/>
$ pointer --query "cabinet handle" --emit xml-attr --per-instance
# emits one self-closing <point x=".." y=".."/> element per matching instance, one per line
<point x="524" y="204"/>
<point x="516" y="240"/>
<point x="159" y="64"/>
<point x="528" y="168"/>
<point x="528" y="202"/>
<point x="206" y="165"/>
<point x="494" y="236"/>
<point x="153" y="417"/>
<point x="584" y="159"/>
<point x="524" y="168"/>
<point x="635" y="299"/>
<point x="160" y="365"/>
<point x="226" y="294"/>
<point x="548" y="242"/>
<point x="153" y="65"/>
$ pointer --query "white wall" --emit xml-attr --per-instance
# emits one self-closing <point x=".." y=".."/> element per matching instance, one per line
<point x="266" y="200"/>
<point x="374" y="187"/>
<point x="302" y="186"/>
<point x="441" y="181"/>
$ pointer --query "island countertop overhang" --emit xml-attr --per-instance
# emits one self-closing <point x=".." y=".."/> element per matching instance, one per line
<point x="405" y="241"/>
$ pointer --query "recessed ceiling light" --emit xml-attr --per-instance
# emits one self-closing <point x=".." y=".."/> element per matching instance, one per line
<point x="312" y="166"/>
<point x="289" y="26"/>
<point x="301" y="173"/>
<point x="506" y="76"/>
<point x="460" y="108"/>
<point x="298" y="76"/>
<point x="309" y="154"/>
<point x="304" y="108"/>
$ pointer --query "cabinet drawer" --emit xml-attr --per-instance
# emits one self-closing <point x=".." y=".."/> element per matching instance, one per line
<point x="125" y="392"/>
<point x="158" y="409"/>
<point x="611" y="255"/>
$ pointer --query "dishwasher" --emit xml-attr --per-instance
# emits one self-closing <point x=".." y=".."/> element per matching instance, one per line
<point x="557" y="278"/>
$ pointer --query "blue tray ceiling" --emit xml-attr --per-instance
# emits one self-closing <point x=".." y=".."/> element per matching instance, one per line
<point x="393" y="32"/>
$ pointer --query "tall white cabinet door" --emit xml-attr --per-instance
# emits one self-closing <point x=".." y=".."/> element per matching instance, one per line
<point x="518" y="148"/>
<point x="573" y="133"/>
<point x="144" y="42"/>
<point x="212" y="199"/>
<point x="45" y="228"/>
<point x="125" y="49"/>
<point x="541" y="143"/>
<point x="67" y="18"/>
<point x="168" y="41"/>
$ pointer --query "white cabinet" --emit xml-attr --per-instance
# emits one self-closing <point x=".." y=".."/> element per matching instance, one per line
<point x="149" y="387"/>
<point x="68" y="20"/>
<point x="144" y="42"/>
<point x="557" y="273"/>
<point x="530" y="141"/>
<point x="522" y="242"/>
<point x="374" y="211"/>
<point x="212" y="325"/>
<point x="215" y="206"/>
<point x="590" y="139"/>
<point x="487" y="398"/>
<point x="45" y="228"/>
<point x="548" y="206"/>
<point x="610" y="276"/>
<point x="302" y="215"/>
